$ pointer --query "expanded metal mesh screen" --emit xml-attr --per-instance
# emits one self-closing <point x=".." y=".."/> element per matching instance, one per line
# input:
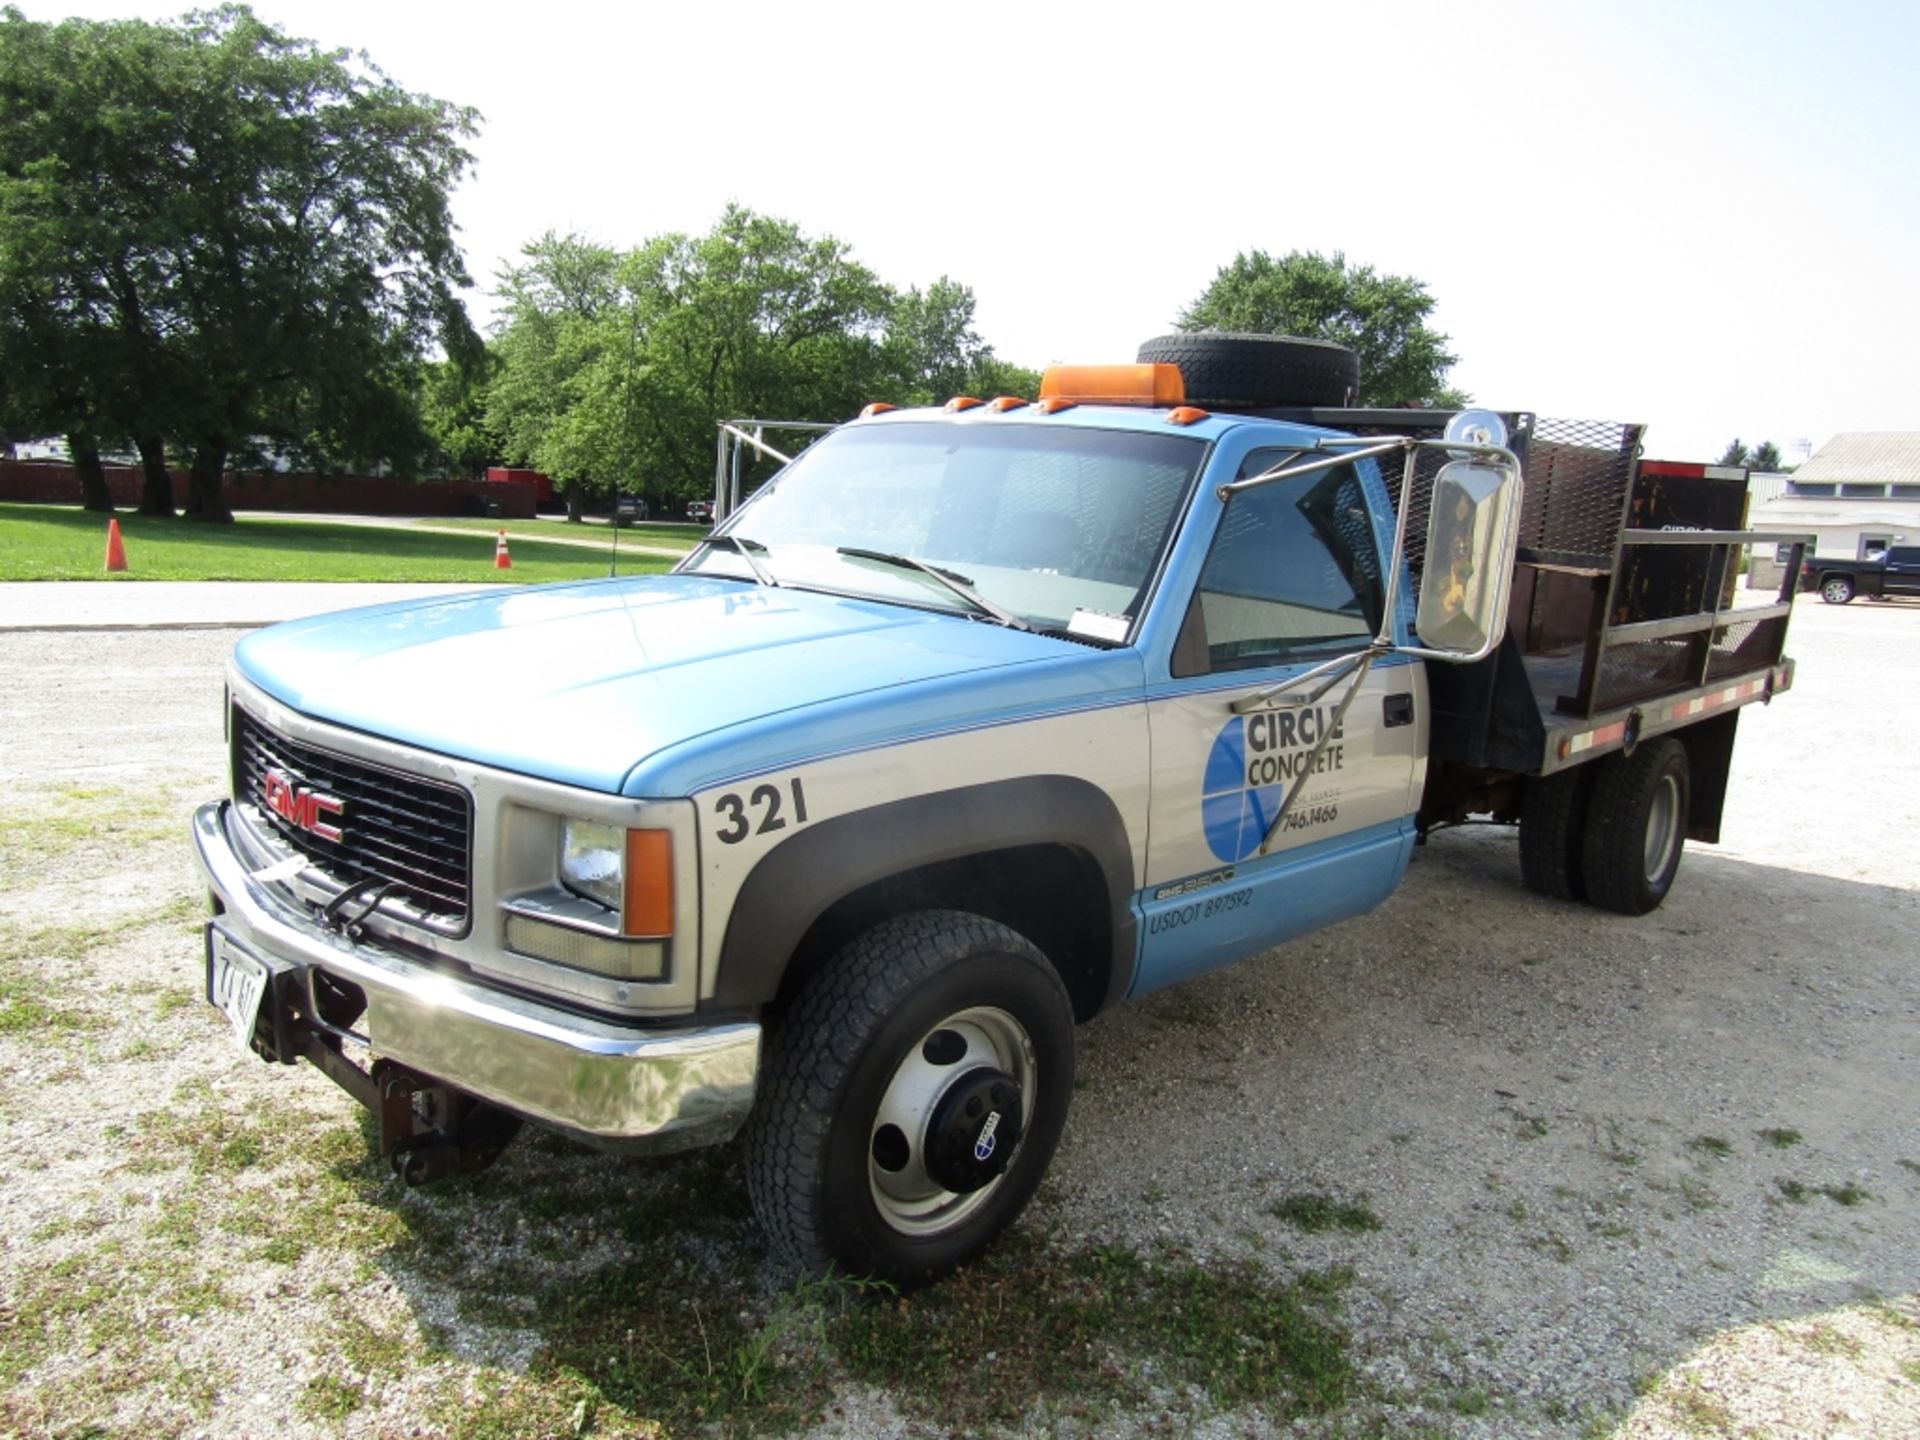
<point x="1578" y="472"/>
<point x="1577" y="475"/>
<point x="1643" y="669"/>
<point x="1747" y="646"/>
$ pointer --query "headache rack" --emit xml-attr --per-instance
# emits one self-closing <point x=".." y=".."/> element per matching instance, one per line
<point x="1626" y="616"/>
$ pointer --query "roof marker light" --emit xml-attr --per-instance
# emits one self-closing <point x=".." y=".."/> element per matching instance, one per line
<point x="1053" y="405"/>
<point x="1159" y="384"/>
<point x="878" y="407"/>
<point x="1186" y="415"/>
<point x="962" y="402"/>
<point x="1000" y="404"/>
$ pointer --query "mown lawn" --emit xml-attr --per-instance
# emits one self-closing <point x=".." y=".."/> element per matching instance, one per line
<point x="672" y="537"/>
<point x="57" y="542"/>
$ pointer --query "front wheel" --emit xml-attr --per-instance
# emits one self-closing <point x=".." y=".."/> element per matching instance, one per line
<point x="1636" y="827"/>
<point x="1836" y="589"/>
<point x="911" y="1098"/>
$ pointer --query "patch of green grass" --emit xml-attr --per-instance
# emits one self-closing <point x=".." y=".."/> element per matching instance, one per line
<point x="1848" y="1194"/>
<point x="1825" y="1340"/>
<point x="1314" y="1212"/>
<point x="1551" y="1242"/>
<point x="46" y="542"/>
<point x="1793" y="1190"/>
<point x="1712" y="1145"/>
<point x="1081" y="1327"/>
<point x="1911" y="1369"/>
<point x="1779" y="1138"/>
<point x="1698" y="1413"/>
<point x="328" y="1397"/>
<point x="30" y="1009"/>
<point x="674" y="537"/>
<point x="1913" y="1165"/>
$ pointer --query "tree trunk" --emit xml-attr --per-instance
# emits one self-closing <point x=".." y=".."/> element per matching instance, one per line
<point x="94" y="494"/>
<point x="206" y="501"/>
<point x="156" y="493"/>
<point x="575" y="495"/>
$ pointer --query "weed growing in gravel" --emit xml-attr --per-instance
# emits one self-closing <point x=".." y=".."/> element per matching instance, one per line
<point x="1314" y="1212"/>
<point x="1825" y="1340"/>
<point x="1074" y="1328"/>
<point x="31" y="1010"/>
<point x="1794" y="1191"/>
<point x="1913" y="1165"/>
<point x="1697" y="1412"/>
<point x="1848" y="1194"/>
<point x="1780" y="1139"/>
<point x="1712" y="1145"/>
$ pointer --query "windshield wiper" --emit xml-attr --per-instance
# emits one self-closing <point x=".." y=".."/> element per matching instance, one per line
<point x="739" y="545"/>
<point x="958" y="584"/>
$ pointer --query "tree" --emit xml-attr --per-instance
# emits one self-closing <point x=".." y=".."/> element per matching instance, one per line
<point x="552" y="305"/>
<point x="614" y="366"/>
<point x="1764" y="456"/>
<point x="1381" y="317"/>
<point x="452" y="400"/>
<point x="234" y="236"/>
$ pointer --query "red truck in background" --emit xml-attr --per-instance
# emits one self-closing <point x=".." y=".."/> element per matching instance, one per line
<point x="543" y="495"/>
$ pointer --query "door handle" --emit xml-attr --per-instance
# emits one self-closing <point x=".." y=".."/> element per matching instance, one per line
<point x="1397" y="710"/>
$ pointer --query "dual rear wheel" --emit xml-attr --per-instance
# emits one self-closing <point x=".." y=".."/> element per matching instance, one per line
<point x="1609" y="833"/>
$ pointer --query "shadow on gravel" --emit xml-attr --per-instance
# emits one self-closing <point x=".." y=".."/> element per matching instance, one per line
<point x="1580" y="1144"/>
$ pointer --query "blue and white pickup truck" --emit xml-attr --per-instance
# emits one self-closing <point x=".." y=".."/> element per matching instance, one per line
<point x="970" y="723"/>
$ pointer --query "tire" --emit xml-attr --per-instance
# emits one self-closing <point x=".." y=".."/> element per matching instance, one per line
<point x="1836" y="589"/>
<point x="1636" y="827"/>
<point x="1251" y="372"/>
<point x="1553" y="824"/>
<point x="872" y="1036"/>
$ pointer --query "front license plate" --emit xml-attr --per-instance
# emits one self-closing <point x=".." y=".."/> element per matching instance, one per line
<point x="235" y="983"/>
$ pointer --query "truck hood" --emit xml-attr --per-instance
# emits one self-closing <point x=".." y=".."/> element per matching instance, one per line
<point x="663" y="685"/>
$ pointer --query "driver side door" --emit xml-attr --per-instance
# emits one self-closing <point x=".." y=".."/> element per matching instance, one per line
<point x="1292" y="579"/>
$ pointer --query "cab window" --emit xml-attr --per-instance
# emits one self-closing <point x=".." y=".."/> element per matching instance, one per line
<point x="1293" y="573"/>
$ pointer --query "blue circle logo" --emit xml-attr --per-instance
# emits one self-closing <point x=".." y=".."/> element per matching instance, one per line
<point x="1235" y="815"/>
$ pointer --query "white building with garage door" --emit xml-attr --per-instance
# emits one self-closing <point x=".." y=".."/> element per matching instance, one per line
<point x="1856" y="495"/>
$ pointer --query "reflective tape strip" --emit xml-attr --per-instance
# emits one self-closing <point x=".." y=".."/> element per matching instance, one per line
<point x="1679" y="710"/>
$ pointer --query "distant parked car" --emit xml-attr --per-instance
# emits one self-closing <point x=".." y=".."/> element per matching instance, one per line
<point x="629" y="509"/>
<point x="1897" y="572"/>
<point x="701" y="510"/>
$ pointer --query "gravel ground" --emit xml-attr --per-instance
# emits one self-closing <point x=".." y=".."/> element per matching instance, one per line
<point x="1641" y="1178"/>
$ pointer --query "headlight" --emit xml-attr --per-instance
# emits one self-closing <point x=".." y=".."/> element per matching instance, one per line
<point x="628" y="871"/>
<point x="591" y="862"/>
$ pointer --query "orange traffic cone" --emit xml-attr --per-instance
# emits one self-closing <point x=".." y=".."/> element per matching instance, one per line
<point x="116" y="550"/>
<point x="501" y="559"/>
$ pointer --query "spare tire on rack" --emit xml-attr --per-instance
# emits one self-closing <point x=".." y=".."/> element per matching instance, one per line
<point x="1251" y="372"/>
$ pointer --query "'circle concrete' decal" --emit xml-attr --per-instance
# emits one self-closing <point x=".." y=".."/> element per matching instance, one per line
<point x="1234" y="814"/>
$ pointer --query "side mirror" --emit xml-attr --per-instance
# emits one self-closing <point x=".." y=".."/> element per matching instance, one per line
<point x="1471" y="533"/>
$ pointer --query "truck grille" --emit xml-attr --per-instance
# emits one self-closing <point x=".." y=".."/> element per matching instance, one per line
<point x="412" y="833"/>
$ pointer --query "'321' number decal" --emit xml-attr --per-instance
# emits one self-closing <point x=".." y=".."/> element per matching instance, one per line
<point x="761" y="812"/>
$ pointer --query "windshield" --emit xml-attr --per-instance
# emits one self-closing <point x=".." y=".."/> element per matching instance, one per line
<point x="1060" y="527"/>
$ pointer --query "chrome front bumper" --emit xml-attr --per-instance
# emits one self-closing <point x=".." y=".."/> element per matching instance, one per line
<point x="637" y="1088"/>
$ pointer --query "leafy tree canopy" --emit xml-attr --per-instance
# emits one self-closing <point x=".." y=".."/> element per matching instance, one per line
<point x="1383" y="318"/>
<point x="1764" y="456"/>
<point x="222" y="233"/>
<point x="615" y="365"/>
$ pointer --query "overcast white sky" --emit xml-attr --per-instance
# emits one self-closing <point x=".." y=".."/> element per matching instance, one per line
<point x="1699" y="215"/>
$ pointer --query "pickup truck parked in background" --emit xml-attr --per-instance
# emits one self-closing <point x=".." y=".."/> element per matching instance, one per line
<point x="1838" y="581"/>
<point x="970" y="723"/>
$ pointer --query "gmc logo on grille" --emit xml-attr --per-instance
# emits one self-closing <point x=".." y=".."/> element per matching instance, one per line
<point x="301" y="806"/>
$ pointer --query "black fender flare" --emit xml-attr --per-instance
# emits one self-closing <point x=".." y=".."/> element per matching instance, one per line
<point x="803" y="877"/>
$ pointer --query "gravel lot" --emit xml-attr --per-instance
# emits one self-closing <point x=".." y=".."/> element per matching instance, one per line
<point x="1646" y="1178"/>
